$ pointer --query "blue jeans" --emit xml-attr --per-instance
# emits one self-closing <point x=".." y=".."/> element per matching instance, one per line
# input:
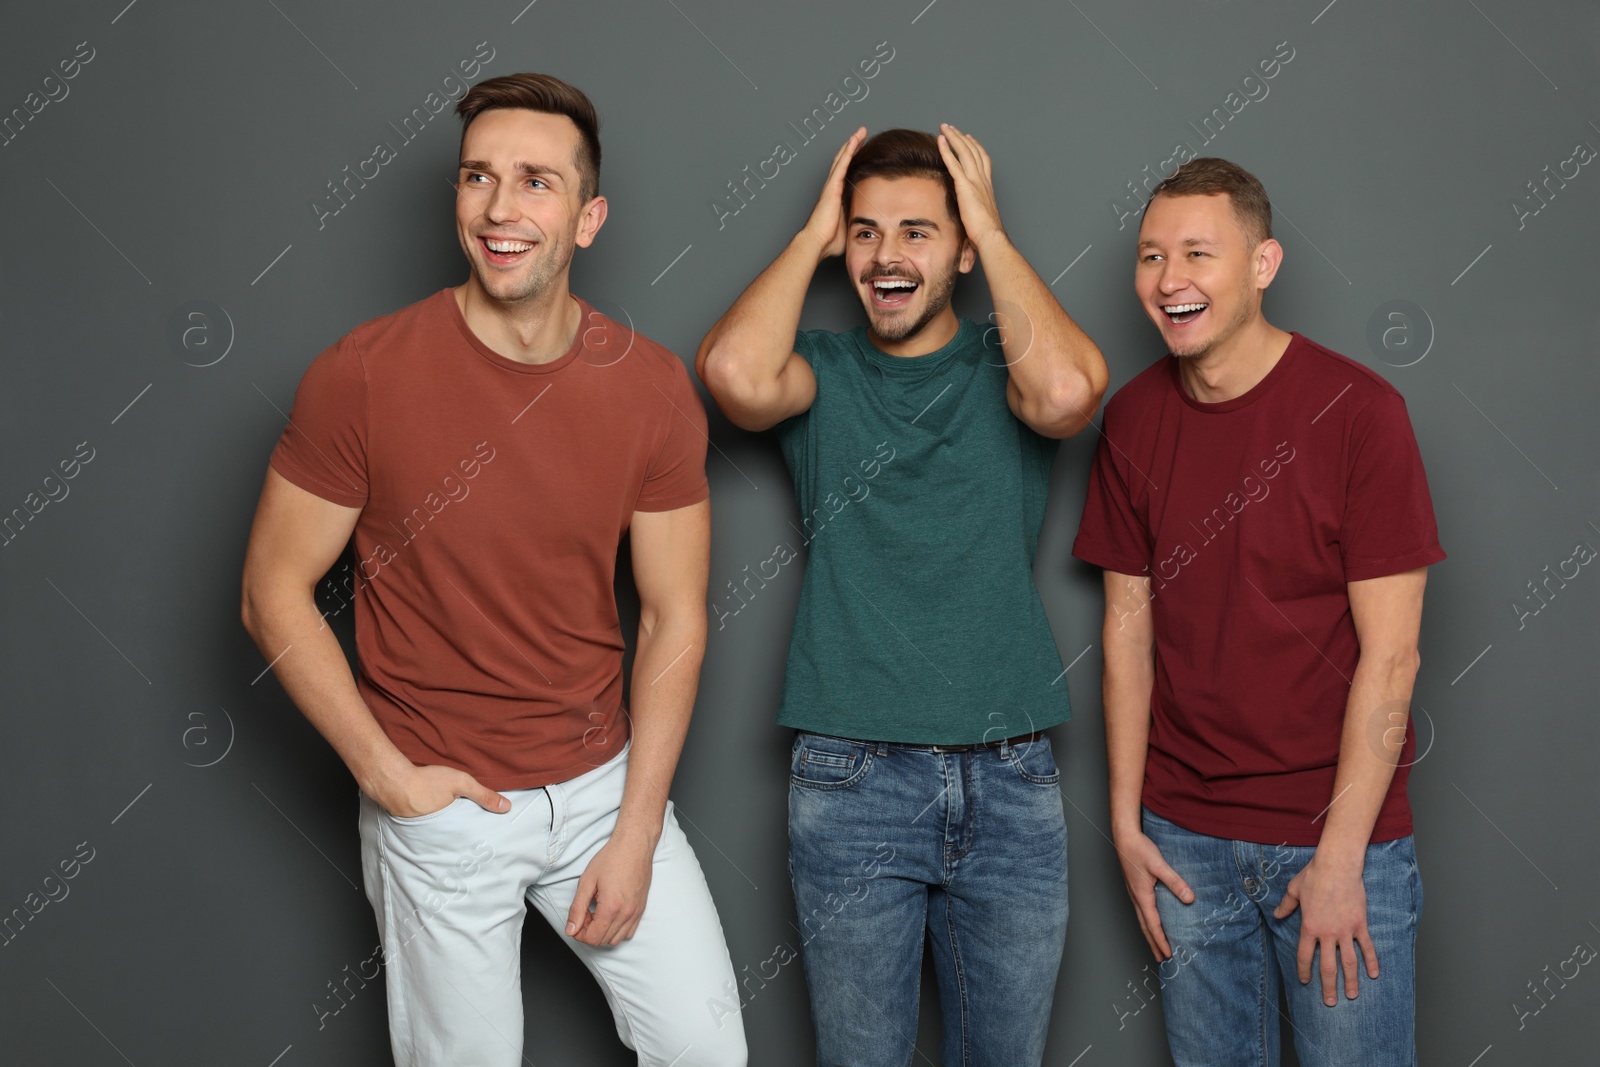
<point x="890" y="843"/>
<point x="1219" y="990"/>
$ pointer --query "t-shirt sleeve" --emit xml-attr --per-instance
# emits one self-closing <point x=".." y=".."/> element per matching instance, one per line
<point x="1111" y="534"/>
<point x="323" y="450"/>
<point x="1388" y="524"/>
<point x="793" y="431"/>
<point x="676" y="475"/>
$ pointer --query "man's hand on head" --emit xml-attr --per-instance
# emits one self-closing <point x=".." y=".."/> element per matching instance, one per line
<point x="827" y="224"/>
<point x="971" y="170"/>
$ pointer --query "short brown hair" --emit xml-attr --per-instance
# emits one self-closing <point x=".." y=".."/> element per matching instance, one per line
<point x="1210" y="176"/>
<point x="902" y="154"/>
<point x="552" y="96"/>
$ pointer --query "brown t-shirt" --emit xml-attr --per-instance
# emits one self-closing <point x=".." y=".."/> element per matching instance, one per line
<point x="493" y="495"/>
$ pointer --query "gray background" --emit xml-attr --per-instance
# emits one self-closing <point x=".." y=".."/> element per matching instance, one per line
<point x="222" y="895"/>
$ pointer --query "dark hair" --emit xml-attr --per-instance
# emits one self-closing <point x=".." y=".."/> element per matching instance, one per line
<point x="1209" y="176"/>
<point x="552" y="96"/>
<point x="901" y="154"/>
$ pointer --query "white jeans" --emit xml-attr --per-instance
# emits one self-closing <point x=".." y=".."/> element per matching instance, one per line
<point x="450" y="890"/>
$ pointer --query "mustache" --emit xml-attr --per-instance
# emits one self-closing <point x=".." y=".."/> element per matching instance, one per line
<point x="909" y="275"/>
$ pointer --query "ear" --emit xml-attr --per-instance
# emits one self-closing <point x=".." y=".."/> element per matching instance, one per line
<point x="589" y="223"/>
<point x="1269" y="257"/>
<point x="968" y="257"/>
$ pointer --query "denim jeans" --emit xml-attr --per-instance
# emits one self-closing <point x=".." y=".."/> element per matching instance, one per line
<point x="1219" y="990"/>
<point x="891" y="843"/>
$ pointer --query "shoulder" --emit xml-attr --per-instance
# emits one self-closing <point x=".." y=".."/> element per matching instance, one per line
<point x="1321" y="368"/>
<point x="400" y="328"/>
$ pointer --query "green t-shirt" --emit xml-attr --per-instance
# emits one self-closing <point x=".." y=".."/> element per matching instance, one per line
<point x="921" y="497"/>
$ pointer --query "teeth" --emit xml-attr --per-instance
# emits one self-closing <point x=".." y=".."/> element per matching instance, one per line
<point x="1182" y="309"/>
<point x="894" y="283"/>
<point x="508" y="246"/>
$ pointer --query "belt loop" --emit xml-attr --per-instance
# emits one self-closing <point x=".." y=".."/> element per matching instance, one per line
<point x="1005" y="749"/>
<point x="883" y="748"/>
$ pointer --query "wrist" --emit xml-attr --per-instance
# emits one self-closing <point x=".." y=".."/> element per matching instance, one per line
<point x="811" y="245"/>
<point x="989" y="241"/>
<point x="1340" y="858"/>
<point x="379" y="776"/>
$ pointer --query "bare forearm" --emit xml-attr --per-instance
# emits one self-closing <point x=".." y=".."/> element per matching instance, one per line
<point x="311" y="666"/>
<point x="1369" y="750"/>
<point x="666" y="676"/>
<point x="1129" y="677"/>
<point x="741" y="359"/>
<point x="1057" y="371"/>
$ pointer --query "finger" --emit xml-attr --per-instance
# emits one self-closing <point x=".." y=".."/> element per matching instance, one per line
<point x="1369" y="952"/>
<point x="1330" y="972"/>
<point x="1347" y="955"/>
<point x="578" y="916"/>
<point x="1302" y="957"/>
<point x="1287" y="905"/>
<point x="972" y="154"/>
<point x="624" y="930"/>
<point x="842" y="158"/>
<point x="1151" y="917"/>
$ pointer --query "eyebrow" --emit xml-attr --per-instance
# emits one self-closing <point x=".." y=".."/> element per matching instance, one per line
<point x="1188" y="242"/>
<point x="520" y="167"/>
<point x="921" y="224"/>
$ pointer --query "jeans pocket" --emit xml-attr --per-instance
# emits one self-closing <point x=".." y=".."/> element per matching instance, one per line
<point x="1035" y="763"/>
<point x="412" y="820"/>
<point x="820" y="762"/>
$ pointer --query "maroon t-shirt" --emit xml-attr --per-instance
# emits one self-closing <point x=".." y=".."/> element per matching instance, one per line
<point x="493" y="494"/>
<point x="1249" y="516"/>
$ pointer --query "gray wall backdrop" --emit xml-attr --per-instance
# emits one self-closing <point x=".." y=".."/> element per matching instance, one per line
<point x="166" y="279"/>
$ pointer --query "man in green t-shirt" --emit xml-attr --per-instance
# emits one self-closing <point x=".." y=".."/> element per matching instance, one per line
<point x="922" y="670"/>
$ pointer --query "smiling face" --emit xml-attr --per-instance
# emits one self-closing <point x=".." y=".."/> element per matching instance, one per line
<point x="1200" y="275"/>
<point x="519" y="210"/>
<point x="902" y="253"/>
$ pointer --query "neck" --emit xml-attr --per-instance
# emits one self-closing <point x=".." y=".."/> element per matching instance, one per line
<point x="539" y="329"/>
<point x="932" y="337"/>
<point x="1236" y="365"/>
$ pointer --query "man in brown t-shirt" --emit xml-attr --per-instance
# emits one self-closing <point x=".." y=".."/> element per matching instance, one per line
<point x="486" y="449"/>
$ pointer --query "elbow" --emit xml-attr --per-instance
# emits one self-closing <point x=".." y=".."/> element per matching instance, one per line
<point x="1068" y="406"/>
<point x="737" y="396"/>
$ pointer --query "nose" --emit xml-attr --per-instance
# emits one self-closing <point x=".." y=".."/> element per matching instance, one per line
<point x="887" y="251"/>
<point x="502" y="206"/>
<point x="1174" y="276"/>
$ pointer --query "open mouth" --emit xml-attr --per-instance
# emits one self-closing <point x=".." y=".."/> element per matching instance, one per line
<point x="504" y="252"/>
<point x="1183" y="314"/>
<point x="890" y="293"/>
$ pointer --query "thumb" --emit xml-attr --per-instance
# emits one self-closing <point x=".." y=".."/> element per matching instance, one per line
<point x="1286" y="907"/>
<point x="1173" y="881"/>
<point x="482" y="795"/>
<point x="578" y="914"/>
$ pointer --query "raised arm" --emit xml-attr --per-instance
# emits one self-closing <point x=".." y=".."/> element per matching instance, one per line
<point x="1328" y="890"/>
<point x="671" y="561"/>
<point x="296" y="537"/>
<point x="748" y="361"/>
<point x="1128" y="638"/>
<point x="1057" y="374"/>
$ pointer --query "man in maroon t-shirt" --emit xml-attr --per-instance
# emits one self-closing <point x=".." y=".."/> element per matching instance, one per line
<point x="1260" y="509"/>
<point x="486" y="449"/>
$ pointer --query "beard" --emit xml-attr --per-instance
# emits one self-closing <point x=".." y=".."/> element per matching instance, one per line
<point x="550" y="263"/>
<point x="897" y="325"/>
<point x="1200" y="347"/>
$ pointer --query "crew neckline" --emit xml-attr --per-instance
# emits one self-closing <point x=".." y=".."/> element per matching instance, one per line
<point x="1249" y="396"/>
<point x="505" y="362"/>
<point x="914" y="365"/>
